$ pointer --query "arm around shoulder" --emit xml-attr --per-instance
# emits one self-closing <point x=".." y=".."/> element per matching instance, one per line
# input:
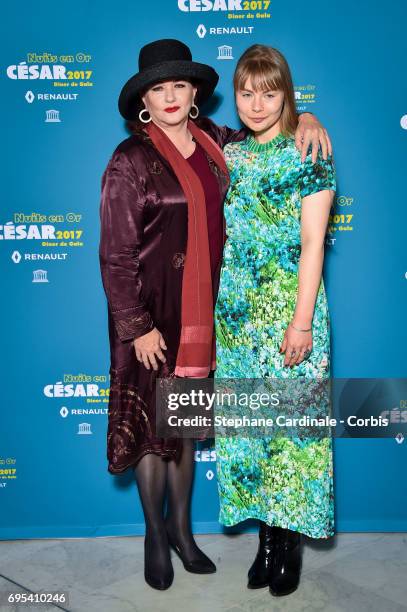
<point x="318" y="176"/>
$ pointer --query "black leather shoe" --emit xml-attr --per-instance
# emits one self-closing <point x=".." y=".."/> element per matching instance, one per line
<point x="201" y="565"/>
<point x="286" y="570"/>
<point x="259" y="573"/>
<point x="158" y="576"/>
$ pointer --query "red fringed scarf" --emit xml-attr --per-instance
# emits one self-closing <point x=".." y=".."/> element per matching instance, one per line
<point x="196" y="353"/>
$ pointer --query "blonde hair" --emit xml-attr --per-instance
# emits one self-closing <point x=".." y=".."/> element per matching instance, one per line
<point x="268" y="70"/>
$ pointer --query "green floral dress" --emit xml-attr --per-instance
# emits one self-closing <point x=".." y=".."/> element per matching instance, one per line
<point x="283" y="481"/>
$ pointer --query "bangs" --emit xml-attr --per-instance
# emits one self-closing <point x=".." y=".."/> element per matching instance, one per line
<point x="264" y="76"/>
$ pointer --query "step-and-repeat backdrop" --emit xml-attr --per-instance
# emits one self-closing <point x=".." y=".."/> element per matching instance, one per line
<point x="63" y="65"/>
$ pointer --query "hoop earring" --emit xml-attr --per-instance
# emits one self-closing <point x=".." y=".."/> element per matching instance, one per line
<point x="197" y="112"/>
<point x="144" y="110"/>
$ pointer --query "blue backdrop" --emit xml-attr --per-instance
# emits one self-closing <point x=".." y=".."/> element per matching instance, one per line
<point x="63" y="66"/>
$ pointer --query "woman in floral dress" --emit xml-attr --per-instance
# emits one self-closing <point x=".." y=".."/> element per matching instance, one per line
<point x="272" y="318"/>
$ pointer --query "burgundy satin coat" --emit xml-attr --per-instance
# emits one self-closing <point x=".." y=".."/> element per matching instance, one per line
<point x="144" y="226"/>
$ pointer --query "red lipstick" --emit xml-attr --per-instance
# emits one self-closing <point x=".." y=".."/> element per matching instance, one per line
<point x="171" y="109"/>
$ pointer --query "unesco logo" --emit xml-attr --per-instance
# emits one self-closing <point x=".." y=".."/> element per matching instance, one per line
<point x="225" y="52"/>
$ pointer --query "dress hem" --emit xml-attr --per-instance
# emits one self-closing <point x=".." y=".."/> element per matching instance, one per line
<point x="277" y="524"/>
<point x="165" y="454"/>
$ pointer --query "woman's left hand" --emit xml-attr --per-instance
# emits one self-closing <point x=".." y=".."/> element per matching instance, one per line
<point x="310" y="131"/>
<point x="296" y="345"/>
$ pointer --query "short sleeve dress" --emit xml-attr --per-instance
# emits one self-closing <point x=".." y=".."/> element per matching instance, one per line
<point x="283" y="481"/>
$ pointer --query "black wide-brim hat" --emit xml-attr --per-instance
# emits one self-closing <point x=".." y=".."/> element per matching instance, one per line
<point x="164" y="60"/>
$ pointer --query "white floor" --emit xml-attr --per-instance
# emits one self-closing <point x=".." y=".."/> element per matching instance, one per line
<point x="350" y="572"/>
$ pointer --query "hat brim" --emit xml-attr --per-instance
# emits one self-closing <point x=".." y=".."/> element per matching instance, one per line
<point x="129" y="99"/>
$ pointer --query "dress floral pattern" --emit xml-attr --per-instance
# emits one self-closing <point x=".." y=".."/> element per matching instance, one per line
<point x="283" y="481"/>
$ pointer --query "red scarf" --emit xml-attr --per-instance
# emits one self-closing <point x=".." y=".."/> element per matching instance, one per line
<point x="196" y="353"/>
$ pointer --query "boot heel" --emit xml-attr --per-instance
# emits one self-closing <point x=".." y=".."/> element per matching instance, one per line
<point x="286" y="572"/>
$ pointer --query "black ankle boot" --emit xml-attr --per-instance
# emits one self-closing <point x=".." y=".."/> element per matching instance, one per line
<point x="158" y="570"/>
<point x="259" y="573"/>
<point x="285" y="574"/>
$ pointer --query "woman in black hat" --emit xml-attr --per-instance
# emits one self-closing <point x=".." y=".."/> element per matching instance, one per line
<point x="162" y="236"/>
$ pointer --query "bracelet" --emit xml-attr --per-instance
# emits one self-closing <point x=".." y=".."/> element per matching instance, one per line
<point x="300" y="330"/>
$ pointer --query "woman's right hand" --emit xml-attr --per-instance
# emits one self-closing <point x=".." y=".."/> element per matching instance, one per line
<point x="148" y="347"/>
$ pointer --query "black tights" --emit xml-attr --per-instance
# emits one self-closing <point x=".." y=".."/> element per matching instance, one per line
<point x="153" y="475"/>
